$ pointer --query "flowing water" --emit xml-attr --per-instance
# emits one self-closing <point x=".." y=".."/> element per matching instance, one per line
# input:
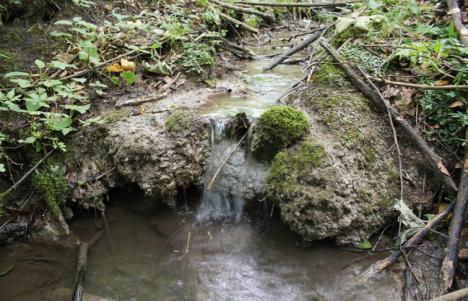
<point x="212" y="252"/>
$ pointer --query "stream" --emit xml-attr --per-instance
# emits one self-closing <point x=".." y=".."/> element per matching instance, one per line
<point x="214" y="251"/>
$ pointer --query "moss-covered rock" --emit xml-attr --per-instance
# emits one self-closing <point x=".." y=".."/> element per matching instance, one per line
<point x="179" y="121"/>
<point x="52" y="185"/>
<point x="276" y="129"/>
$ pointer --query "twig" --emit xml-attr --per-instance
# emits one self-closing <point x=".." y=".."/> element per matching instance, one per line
<point x="293" y="50"/>
<point x="187" y="246"/>
<point x="296" y="4"/>
<point x="453" y="296"/>
<point x="26" y="175"/>
<point x="210" y="185"/>
<point x="419" y="86"/>
<point x="449" y="264"/>
<point x="381" y="265"/>
<point x="435" y="161"/>
<point x="456" y="15"/>
<point x="245" y="10"/>
<point x="237" y="22"/>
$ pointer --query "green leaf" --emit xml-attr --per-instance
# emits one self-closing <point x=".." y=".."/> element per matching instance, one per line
<point x="80" y="109"/>
<point x="52" y="83"/>
<point x="40" y="64"/>
<point x="28" y="140"/>
<point x="160" y="68"/>
<point x="23" y="83"/>
<point x="64" y="22"/>
<point x="16" y="74"/>
<point x="59" y="65"/>
<point x="93" y="121"/>
<point x="129" y="77"/>
<point x="365" y="245"/>
<point x="59" y="122"/>
<point x="2" y="167"/>
<point x="79" y="80"/>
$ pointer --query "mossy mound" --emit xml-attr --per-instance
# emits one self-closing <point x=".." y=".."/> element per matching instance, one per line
<point x="179" y="121"/>
<point x="288" y="166"/>
<point x="52" y="185"/>
<point x="276" y="129"/>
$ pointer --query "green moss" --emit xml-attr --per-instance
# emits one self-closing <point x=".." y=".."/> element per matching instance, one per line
<point x="328" y="73"/>
<point x="178" y="121"/>
<point x="52" y="185"/>
<point x="289" y="166"/>
<point x="278" y="128"/>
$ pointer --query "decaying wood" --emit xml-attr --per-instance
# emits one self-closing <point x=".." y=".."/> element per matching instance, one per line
<point x="381" y="265"/>
<point x="293" y="50"/>
<point x="245" y="10"/>
<point x="419" y="86"/>
<point x="456" y="15"/>
<point x="434" y="160"/>
<point x="451" y="258"/>
<point x="81" y="272"/>
<point x="235" y="49"/>
<point x="26" y="175"/>
<point x="215" y="176"/>
<point x="238" y="23"/>
<point x="453" y="296"/>
<point x="296" y="4"/>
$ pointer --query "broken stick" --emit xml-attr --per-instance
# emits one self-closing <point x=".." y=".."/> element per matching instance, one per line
<point x="434" y="160"/>
<point x="245" y="10"/>
<point x="451" y="258"/>
<point x="456" y="15"/>
<point x="294" y="49"/>
<point x="238" y="23"/>
<point x="296" y="4"/>
<point x="381" y="265"/>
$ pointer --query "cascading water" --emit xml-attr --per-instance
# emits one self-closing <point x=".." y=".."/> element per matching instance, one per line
<point x="240" y="180"/>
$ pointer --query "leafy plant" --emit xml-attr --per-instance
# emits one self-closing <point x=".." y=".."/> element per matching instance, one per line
<point x="197" y="56"/>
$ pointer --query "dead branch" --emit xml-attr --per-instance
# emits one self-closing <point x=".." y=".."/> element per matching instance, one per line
<point x="381" y="265"/>
<point x="237" y="50"/>
<point x="449" y="264"/>
<point x="210" y="185"/>
<point x="296" y="4"/>
<point x="453" y="296"/>
<point x="293" y="50"/>
<point x="81" y="272"/>
<point x="238" y="23"/>
<point x="245" y="10"/>
<point x="455" y="13"/>
<point x="435" y="161"/>
<point x="419" y="86"/>
<point x="26" y="175"/>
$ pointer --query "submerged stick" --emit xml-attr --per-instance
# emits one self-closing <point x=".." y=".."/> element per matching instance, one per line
<point x="244" y="10"/>
<point x="294" y="49"/>
<point x="381" y="265"/>
<point x="449" y="264"/>
<point x="434" y="160"/>
<point x="237" y="22"/>
<point x="81" y="272"/>
<point x="296" y="4"/>
<point x="210" y="185"/>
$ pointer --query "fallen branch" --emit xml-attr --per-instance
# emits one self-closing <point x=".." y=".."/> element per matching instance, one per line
<point x="245" y="10"/>
<point x="81" y="272"/>
<point x="296" y="4"/>
<point x="449" y="264"/>
<point x="419" y="86"/>
<point x="435" y="161"/>
<point x="453" y="296"/>
<point x="210" y="185"/>
<point x="26" y="175"/>
<point x="456" y="15"/>
<point x="237" y="22"/>
<point x="293" y="50"/>
<point x="381" y="265"/>
<point x="235" y="49"/>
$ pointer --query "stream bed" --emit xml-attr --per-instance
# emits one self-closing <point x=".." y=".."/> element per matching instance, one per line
<point x="177" y="255"/>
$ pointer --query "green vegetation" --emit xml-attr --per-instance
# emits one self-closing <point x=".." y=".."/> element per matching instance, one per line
<point x="52" y="186"/>
<point x="178" y="121"/>
<point x="278" y="128"/>
<point x="289" y="166"/>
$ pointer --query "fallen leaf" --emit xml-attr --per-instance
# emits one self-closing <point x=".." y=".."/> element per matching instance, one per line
<point x="442" y="168"/>
<point x="127" y="65"/>
<point x="441" y="82"/>
<point x="457" y="104"/>
<point x="116" y="67"/>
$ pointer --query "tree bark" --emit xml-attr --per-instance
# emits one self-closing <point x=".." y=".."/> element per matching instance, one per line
<point x="237" y="22"/>
<point x="455" y="13"/>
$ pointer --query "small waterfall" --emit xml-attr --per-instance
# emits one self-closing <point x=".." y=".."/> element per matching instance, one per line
<point x="240" y="180"/>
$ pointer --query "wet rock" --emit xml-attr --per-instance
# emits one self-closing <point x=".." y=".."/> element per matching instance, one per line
<point x="13" y="230"/>
<point x="53" y="234"/>
<point x="155" y="153"/>
<point x="342" y="181"/>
